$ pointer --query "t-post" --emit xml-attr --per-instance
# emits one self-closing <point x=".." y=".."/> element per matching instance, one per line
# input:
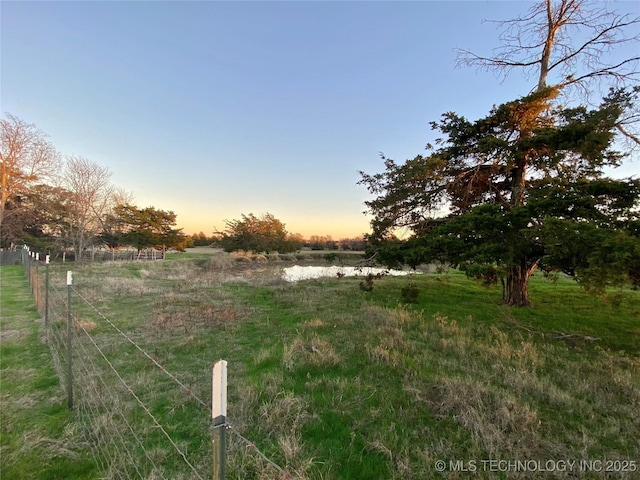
<point x="46" y="291"/>
<point x="219" y="417"/>
<point x="36" y="281"/>
<point x="69" y="325"/>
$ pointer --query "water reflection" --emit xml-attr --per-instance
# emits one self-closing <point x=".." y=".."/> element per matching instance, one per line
<point x="295" y="273"/>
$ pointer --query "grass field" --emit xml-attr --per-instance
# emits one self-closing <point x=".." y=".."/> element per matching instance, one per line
<point x="36" y="441"/>
<point x="332" y="382"/>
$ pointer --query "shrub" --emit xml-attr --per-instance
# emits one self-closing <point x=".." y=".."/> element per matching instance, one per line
<point x="410" y="293"/>
<point x="273" y="257"/>
<point x="367" y="284"/>
<point x="331" y="257"/>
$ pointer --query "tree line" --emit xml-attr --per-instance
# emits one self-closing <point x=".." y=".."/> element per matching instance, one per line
<point x="54" y="203"/>
<point x="266" y="233"/>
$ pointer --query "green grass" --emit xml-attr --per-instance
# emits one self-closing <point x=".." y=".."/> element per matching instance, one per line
<point x="36" y="441"/>
<point x="334" y="383"/>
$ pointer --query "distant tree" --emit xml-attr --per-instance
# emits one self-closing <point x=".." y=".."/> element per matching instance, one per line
<point x="322" y="242"/>
<point x="259" y="234"/>
<point x="111" y="234"/>
<point x="41" y="217"/>
<point x="26" y="159"/>
<point x="296" y="241"/>
<point x="46" y="217"/>
<point x="91" y="200"/>
<point x="200" y="240"/>
<point x="144" y="228"/>
<point x="316" y="242"/>
<point x="357" y="243"/>
<point x="331" y="245"/>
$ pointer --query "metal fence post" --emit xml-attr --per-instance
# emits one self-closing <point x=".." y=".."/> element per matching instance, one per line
<point x="69" y="325"/>
<point x="25" y="261"/>
<point x="29" y="270"/>
<point x="219" y="417"/>
<point x="36" y="282"/>
<point x="46" y="291"/>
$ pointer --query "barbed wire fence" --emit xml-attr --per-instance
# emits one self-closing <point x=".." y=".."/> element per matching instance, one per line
<point x="116" y="413"/>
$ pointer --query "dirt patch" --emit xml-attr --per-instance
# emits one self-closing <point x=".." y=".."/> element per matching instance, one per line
<point x="208" y="250"/>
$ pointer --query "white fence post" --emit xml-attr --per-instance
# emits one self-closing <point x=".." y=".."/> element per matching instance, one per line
<point x="219" y="417"/>
<point x="46" y="291"/>
<point x="69" y="336"/>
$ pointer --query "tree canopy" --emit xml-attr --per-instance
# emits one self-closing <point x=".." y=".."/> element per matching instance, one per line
<point x="259" y="234"/>
<point x="519" y="189"/>
<point x="27" y="158"/>
<point x="142" y="228"/>
<point x="48" y="202"/>
<point x="525" y="187"/>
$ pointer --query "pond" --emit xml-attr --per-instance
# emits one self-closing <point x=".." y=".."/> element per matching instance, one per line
<point x="297" y="272"/>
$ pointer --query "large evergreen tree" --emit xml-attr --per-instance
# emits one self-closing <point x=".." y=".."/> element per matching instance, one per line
<point x="142" y="228"/>
<point x="521" y="188"/>
<point x="525" y="187"/>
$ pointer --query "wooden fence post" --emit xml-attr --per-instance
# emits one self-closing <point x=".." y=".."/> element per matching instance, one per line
<point x="219" y="417"/>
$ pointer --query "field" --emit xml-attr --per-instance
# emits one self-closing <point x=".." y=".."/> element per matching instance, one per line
<point x="326" y="380"/>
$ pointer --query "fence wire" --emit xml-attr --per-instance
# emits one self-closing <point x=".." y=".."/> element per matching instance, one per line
<point x="125" y="438"/>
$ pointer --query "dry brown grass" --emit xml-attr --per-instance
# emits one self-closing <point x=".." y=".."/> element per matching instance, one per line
<point x="85" y="325"/>
<point x="391" y="344"/>
<point x="221" y="262"/>
<point x="314" y="323"/>
<point x="8" y="335"/>
<point x="171" y="313"/>
<point x="502" y="423"/>
<point x="313" y="351"/>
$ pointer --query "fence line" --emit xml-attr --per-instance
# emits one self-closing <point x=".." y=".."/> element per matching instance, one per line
<point x="93" y="372"/>
<point x="143" y="351"/>
<point x="144" y="407"/>
<point x="100" y="420"/>
<point x="97" y="409"/>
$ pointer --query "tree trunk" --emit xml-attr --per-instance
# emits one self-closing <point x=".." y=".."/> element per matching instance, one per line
<point x="517" y="291"/>
<point x="552" y="27"/>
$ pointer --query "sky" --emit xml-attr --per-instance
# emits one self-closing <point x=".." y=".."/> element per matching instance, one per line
<point x="215" y="109"/>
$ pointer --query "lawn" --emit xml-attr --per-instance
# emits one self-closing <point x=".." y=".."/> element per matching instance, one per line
<point x="37" y="437"/>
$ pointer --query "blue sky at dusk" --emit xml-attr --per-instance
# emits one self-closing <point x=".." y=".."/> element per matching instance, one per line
<point x="213" y="109"/>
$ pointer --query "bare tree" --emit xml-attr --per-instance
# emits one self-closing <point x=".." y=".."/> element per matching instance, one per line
<point x="121" y="197"/>
<point x="568" y="43"/>
<point x="27" y="158"/>
<point x="92" y="197"/>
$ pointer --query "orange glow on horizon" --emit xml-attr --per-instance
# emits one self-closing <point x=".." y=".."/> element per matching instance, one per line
<point x="344" y="228"/>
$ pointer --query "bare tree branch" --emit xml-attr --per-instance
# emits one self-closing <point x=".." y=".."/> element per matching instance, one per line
<point x="26" y="156"/>
<point x="573" y="40"/>
<point x="544" y="40"/>
<point x="633" y="137"/>
<point x="92" y="194"/>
